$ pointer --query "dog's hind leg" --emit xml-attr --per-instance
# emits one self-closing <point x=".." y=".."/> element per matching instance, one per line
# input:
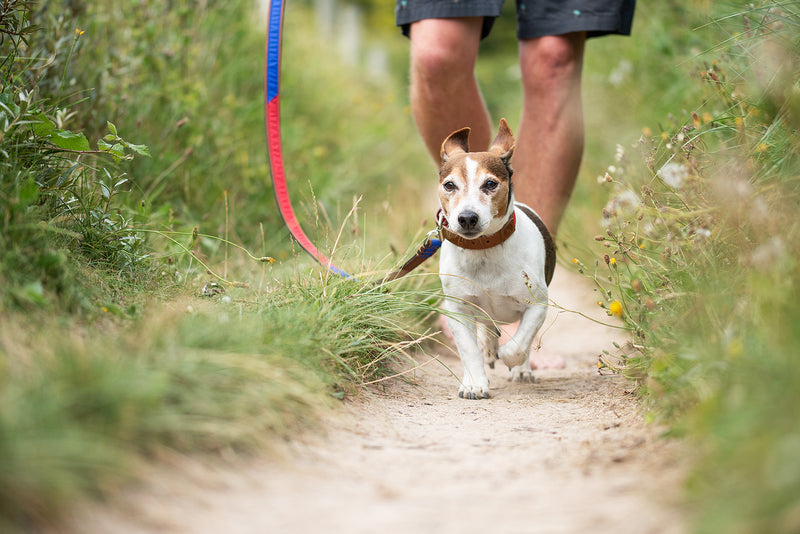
<point x="488" y="341"/>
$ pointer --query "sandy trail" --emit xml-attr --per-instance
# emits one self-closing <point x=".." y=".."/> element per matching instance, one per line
<point x="567" y="454"/>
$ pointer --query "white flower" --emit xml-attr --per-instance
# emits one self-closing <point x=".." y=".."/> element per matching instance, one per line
<point x="620" y="155"/>
<point x="673" y="174"/>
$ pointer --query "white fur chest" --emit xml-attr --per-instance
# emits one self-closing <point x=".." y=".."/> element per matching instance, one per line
<point x="497" y="279"/>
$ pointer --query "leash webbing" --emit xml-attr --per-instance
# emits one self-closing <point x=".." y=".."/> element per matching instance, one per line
<point x="425" y="251"/>
<point x="273" y="129"/>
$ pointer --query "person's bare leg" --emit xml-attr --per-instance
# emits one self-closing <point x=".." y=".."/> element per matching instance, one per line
<point x="550" y="138"/>
<point x="444" y="91"/>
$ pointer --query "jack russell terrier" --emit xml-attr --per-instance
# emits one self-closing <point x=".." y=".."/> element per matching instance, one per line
<point x="497" y="259"/>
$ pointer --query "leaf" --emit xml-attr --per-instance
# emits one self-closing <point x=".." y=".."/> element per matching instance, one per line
<point x="112" y="128"/>
<point x="41" y="125"/>
<point x="115" y="150"/>
<point x="66" y="175"/>
<point x="142" y="150"/>
<point x="69" y="140"/>
<point x="28" y="192"/>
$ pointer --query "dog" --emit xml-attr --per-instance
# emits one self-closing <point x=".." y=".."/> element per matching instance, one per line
<point x="497" y="260"/>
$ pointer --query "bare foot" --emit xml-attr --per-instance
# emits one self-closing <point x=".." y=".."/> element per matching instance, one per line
<point x="539" y="360"/>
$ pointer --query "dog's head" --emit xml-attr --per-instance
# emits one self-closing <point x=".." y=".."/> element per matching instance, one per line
<point x="475" y="187"/>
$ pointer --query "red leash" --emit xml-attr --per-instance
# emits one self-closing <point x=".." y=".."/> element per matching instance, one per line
<point x="273" y="128"/>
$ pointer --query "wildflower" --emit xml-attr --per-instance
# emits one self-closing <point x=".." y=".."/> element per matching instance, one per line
<point x="625" y="201"/>
<point x="703" y="233"/>
<point x="620" y="155"/>
<point x="79" y="32"/>
<point x="762" y="147"/>
<point x="673" y="174"/>
<point x="612" y="262"/>
<point x="615" y="308"/>
<point x="604" y="179"/>
<point x="695" y="120"/>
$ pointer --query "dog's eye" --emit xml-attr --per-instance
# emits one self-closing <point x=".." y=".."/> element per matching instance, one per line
<point x="490" y="185"/>
<point x="449" y="186"/>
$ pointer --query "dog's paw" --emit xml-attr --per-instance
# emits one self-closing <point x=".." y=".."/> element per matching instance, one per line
<point x="512" y="356"/>
<point x="521" y="373"/>
<point x="474" y="391"/>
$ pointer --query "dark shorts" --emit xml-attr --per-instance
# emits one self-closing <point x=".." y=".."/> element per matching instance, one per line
<point x="535" y="18"/>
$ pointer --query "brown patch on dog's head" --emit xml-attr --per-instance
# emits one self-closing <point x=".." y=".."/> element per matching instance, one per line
<point x="456" y="143"/>
<point x="503" y="145"/>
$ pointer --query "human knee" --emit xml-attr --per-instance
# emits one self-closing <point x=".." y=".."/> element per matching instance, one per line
<point x="551" y="59"/>
<point x="442" y="50"/>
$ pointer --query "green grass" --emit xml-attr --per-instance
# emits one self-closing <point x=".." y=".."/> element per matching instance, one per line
<point x="701" y="264"/>
<point x="199" y="376"/>
<point x="108" y="353"/>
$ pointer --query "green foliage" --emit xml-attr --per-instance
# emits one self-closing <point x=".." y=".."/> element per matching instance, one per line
<point x="700" y="262"/>
<point x="89" y="219"/>
<point x="58" y="194"/>
<point x="222" y="376"/>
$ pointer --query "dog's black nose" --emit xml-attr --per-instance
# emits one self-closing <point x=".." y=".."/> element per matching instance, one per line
<point x="468" y="220"/>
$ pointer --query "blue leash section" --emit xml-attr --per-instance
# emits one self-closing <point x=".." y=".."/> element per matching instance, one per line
<point x="428" y="249"/>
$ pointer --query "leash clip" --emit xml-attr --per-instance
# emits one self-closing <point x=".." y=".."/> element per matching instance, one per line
<point x="441" y="222"/>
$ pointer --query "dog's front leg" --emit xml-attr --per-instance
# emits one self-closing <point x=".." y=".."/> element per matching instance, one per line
<point x="516" y="352"/>
<point x="475" y="384"/>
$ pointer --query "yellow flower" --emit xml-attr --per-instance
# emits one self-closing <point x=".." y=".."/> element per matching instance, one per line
<point x="612" y="261"/>
<point x="575" y="260"/>
<point x="616" y="308"/>
<point x="79" y="32"/>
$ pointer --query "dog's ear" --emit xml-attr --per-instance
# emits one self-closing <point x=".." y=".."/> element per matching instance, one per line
<point x="503" y="144"/>
<point x="455" y="143"/>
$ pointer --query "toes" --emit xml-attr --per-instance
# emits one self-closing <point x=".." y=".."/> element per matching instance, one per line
<point x="471" y="395"/>
<point x="518" y="375"/>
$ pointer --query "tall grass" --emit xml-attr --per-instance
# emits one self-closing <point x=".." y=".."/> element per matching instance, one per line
<point x="76" y="416"/>
<point x="700" y="243"/>
<point x="110" y="351"/>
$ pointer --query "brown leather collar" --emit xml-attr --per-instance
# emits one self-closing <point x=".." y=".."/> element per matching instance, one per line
<point x="484" y="241"/>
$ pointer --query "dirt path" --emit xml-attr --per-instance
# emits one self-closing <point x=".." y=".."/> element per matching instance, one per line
<point x="567" y="454"/>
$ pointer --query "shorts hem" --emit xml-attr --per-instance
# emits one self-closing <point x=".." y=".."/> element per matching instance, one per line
<point x="593" y="26"/>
